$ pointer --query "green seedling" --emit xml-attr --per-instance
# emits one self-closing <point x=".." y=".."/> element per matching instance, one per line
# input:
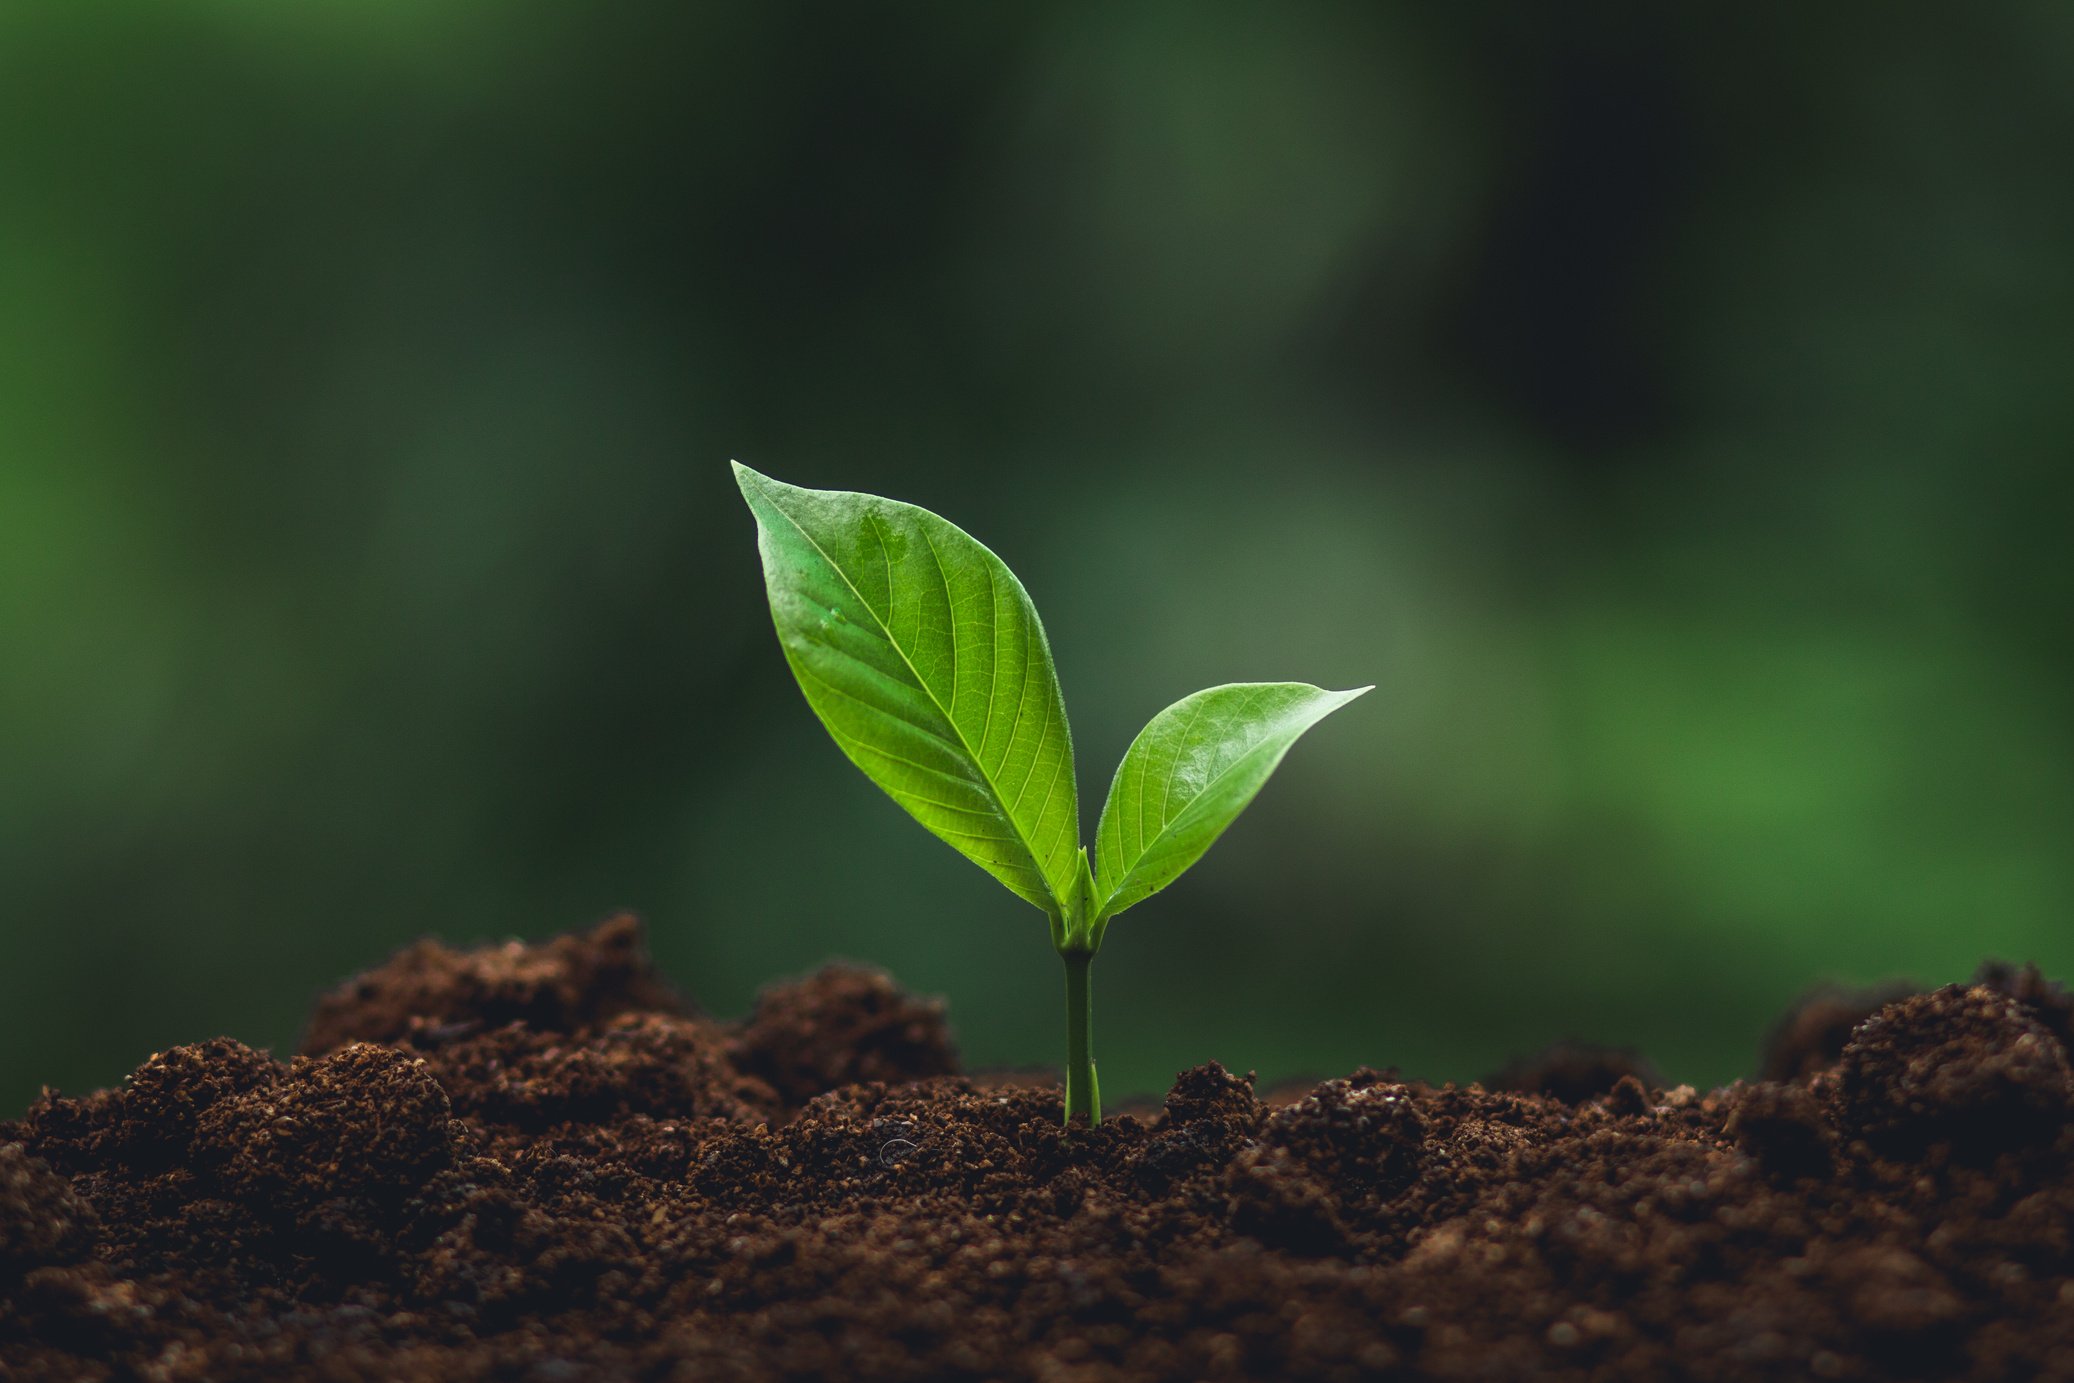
<point x="924" y="657"/>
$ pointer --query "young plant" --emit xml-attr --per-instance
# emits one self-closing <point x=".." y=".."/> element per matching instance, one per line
<point x="924" y="657"/>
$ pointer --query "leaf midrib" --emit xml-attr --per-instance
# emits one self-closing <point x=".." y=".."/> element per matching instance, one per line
<point x="893" y="640"/>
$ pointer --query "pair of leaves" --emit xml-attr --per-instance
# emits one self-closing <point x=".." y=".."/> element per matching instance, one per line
<point x="925" y="659"/>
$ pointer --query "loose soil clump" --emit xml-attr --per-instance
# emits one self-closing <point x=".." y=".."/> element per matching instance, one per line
<point x="539" y="1163"/>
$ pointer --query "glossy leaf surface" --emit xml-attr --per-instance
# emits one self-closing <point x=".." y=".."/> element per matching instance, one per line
<point x="924" y="657"/>
<point x="1189" y="774"/>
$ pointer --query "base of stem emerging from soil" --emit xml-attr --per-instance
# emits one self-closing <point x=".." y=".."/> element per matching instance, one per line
<point x="1083" y="1092"/>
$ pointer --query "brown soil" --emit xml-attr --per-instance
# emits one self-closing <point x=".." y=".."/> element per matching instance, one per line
<point x="537" y="1163"/>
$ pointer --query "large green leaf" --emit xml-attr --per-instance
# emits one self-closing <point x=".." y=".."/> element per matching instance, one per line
<point x="923" y="656"/>
<point x="1190" y="773"/>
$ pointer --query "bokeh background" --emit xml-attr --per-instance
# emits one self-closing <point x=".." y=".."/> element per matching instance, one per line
<point x="1668" y="408"/>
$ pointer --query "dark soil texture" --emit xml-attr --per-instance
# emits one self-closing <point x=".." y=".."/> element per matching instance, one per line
<point x="537" y="1163"/>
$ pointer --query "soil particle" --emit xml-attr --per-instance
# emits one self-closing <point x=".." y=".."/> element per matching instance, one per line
<point x="1324" y="1169"/>
<point x="1809" y="1038"/>
<point x="536" y="1163"/>
<point x="427" y="991"/>
<point x="42" y="1219"/>
<point x="1574" y="1072"/>
<point x="1969" y="1066"/>
<point x="1211" y="1115"/>
<point x="843" y="1026"/>
<point x="2046" y="1001"/>
<point x="365" y="1120"/>
<point x="653" y="1064"/>
<point x="1781" y="1127"/>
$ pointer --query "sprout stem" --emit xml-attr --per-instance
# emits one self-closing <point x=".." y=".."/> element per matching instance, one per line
<point x="1083" y="1094"/>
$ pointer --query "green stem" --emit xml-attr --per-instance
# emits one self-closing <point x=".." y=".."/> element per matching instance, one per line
<point x="1083" y="1094"/>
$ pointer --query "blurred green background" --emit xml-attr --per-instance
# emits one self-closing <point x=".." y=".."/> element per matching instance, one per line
<point x="1669" y="411"/>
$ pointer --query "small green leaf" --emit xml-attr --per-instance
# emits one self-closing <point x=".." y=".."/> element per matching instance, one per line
<point x="1190" y="773"/>
<point x="924" y="657"/>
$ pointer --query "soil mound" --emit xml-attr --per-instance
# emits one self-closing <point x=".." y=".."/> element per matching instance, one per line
<point x="538" y="1163"/>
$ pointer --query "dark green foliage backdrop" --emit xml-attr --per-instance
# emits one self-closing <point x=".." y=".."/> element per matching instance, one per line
<point x="1670" y="413"/>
